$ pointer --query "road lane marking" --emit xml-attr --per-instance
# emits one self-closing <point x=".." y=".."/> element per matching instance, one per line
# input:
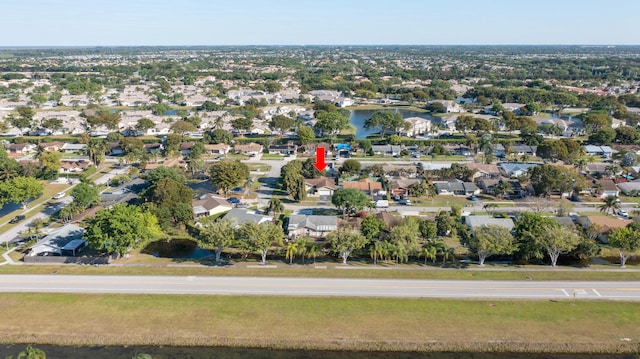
<point x="595" y="291"/>
<point x="565" y="292"/>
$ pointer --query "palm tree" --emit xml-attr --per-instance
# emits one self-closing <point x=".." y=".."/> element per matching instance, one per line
<point x="581" y="164"/>
<point x="218" y="123"/>
<point x="501" y="189"/>
<point x="97" y="148"/>
<point x="429" y="251"/>
<point x="376" y="251"/>
<point x="292" y="250"/>
<point x="610" y="203"/>
<point x="313" y="251"/>
<point x="484" y="145"/>
<point x="275" y="206"/>
<point x="303" y="246"/>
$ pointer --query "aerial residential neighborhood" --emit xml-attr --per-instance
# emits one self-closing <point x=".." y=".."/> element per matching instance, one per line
<point x="264" y="200"/>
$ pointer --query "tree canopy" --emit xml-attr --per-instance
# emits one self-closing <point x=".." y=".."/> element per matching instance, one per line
<point x="228" y="174"/>
<point x="121" y="228"/>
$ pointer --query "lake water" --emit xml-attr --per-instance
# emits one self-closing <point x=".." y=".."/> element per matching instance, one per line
<point x="358" y="117"/>
<point x="115" y="352"/>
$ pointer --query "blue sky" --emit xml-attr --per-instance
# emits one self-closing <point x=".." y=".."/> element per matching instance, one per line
<point x="303" y="22"/>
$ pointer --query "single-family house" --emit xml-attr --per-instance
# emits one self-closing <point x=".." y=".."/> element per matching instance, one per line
<point x="217" y="149"/>
<point x="208" y="205"/>
<point x="606" y="188"/>
<point x="311" y="225"/>
<point x="74" y="166"/>
<point x="630" y="188"/>
<point x="482" y="170"/>
<point x="249" y="148"/>
<point x="487" y="185"/>
<point x="521" y="150"/>
<point x="602" y="151"/>
<point x="386" y="150"/>
<point x="54" y="146"/>
<point x="285" y="150"/>
<point x="241" y="216"/>
<point x="185" y="147"/>
<point x="365" y="185"/>
<point x="449" y="105"/>
<point x="21" y="148"/>
<point x="400" y="170"/>
<point x="456" y="188"/>
<point x="321" y="186"/>
<point x="153" y="147"/>
<point x="475" y="222"/>
<point x="115" y="149"/>
<point x="400" y="186"/>
<point x="419" y="126"/>
<point x="515" y="169"/>
<point x="597" y="169"/>
<point x="498" y="150"/>
<point x="74" y="147"/>
<point x="604" y="223"/>
<point x="63" y="241"/>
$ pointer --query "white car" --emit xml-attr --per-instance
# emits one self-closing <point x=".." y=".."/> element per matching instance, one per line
<point x="623" y="213"/>
<point x="59" y="195"/>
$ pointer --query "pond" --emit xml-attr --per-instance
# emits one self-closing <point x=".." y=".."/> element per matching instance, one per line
<point x="176" y="248"/>
<point x="358" y="118"/>
<point x="128" y="352"/>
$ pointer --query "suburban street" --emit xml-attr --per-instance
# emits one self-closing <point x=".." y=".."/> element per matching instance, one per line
<point x="52" y="208"/>
<point x="329" y="287"/>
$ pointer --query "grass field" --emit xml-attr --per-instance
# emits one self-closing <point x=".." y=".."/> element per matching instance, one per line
<point x="158" y="266"/>
<point x="320" y="323"/>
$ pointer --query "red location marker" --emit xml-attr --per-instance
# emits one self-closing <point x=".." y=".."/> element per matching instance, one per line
<point x="320" y="163"/>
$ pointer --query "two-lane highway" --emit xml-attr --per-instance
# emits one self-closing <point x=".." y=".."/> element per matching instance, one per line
<point x="328" y="287"/>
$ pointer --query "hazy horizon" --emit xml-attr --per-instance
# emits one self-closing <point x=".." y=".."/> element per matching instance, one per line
<point x="76" y="23"/>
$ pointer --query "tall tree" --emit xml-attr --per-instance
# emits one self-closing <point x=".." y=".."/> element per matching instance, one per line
<point x="216" y="235"/>
<point x="260" y="237"/>
<point x="490" y="240"/>
<point x="281" y="123"/>
<point x="626" y="240"/>
<point x="20" y="190"/>
<point x="305" y="134"/>
<point x="610" y="203"/>
<point x="120" y="228"/>
<point x="228" y="174"/>
<point x="349" y="200"/>
<point x="557" y="240"/>
<point x="343" y="242"/>
<point x="85" y="195"/>
<point x="97" y="148"/>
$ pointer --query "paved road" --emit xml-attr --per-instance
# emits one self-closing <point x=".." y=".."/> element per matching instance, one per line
<point x="52" y="208"/>
<point x="330" y="287"/>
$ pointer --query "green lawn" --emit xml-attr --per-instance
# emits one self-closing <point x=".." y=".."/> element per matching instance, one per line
<point x="320" y="323"/>
<point x="268" y="156"/>
<point x="158" y="266"/>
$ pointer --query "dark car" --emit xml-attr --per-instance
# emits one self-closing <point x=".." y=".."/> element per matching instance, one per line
<point x="17" y="219"/>
<point x="472" y="198"/>
<point x="233" y="200"/>
<point x="237" y="189"/>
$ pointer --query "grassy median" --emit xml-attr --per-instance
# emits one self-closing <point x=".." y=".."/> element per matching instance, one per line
<point x="352" y="271"/>
<point x="320" y="323"/>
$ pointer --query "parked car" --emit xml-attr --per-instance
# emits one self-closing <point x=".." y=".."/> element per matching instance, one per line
<point x="406" y="202"/>
<point x="472" y="198"/>
<point x="17" y="218"/>
<point x="237" y="189"/>
<point x="59" y="195"/>
<point x="233" y="200"/>
<point x="623" y="213"/>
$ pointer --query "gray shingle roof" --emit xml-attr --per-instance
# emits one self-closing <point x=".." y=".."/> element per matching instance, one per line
<point x="478" y="221"/>
<point x="316" y="223"/>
